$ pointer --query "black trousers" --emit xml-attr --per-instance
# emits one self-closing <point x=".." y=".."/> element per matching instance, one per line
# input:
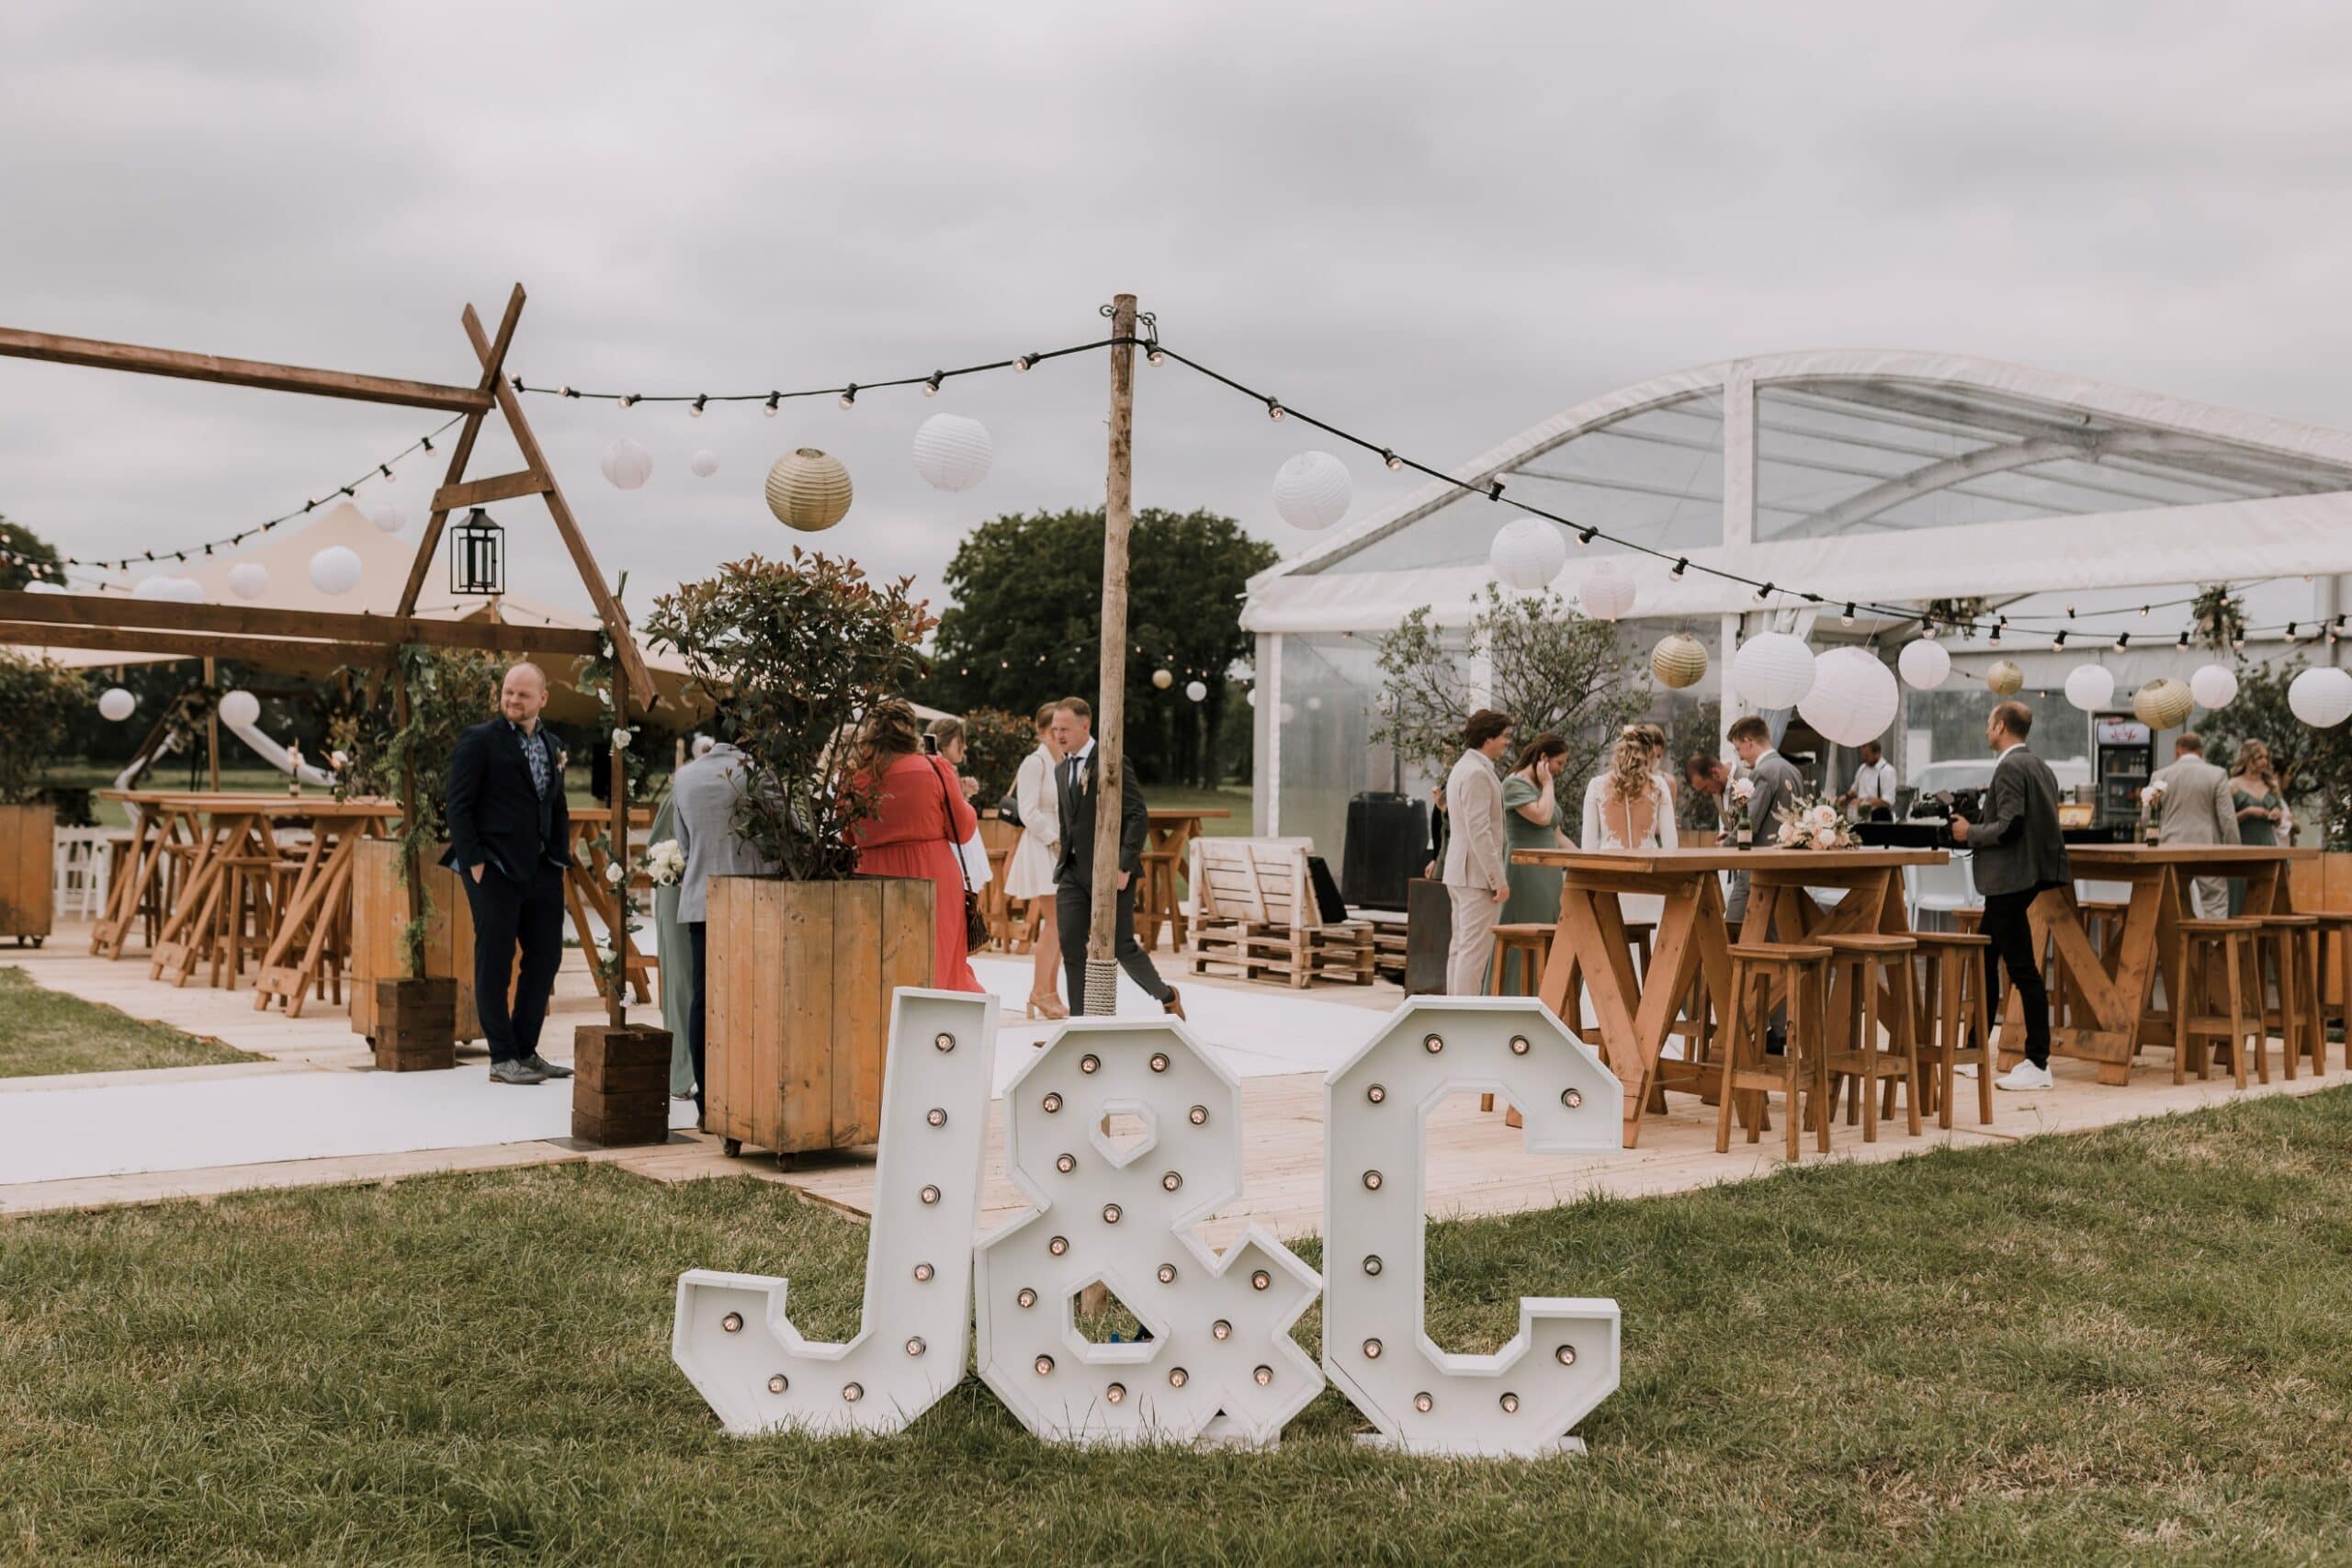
<point x="2012" y="949"/>
<point x="700" y="1011"/>
<point x="507" y="915"/>
<point x="1073" y="905"/>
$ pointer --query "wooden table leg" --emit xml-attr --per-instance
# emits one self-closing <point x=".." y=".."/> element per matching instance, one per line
<point x="123" y="897"/>
<point x="304" y="903"/>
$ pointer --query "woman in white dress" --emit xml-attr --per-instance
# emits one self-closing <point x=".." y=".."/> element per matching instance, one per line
<point x="1031" y="874"/>
<point x="1626" y="808"/>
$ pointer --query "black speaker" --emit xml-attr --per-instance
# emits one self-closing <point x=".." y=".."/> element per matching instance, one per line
<point x="1387" y="845"/>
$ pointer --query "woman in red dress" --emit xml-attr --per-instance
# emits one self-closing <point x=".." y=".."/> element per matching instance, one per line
<point x="919" y="816"/>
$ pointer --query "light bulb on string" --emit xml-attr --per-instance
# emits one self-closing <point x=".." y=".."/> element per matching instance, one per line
<point x="931" y="385"/>
<point x="1847" y="618"/>
<point x="849" y="395"/>
<point x="1682" y="565"/>
<point x="2122" y="640"/>
<point x="694" y="409"/>
<point x="628" y="399"/>
<point x="774" y="400"/>
<point x="1391" y="458"/>
<point x="1763" y="593"/>
<point x="1585" y="537"/>
<point x="1274" y="409"/>
<point x="1021" y="362"/>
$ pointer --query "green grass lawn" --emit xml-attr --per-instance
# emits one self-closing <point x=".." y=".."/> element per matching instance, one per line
<point x="48" y="1032"/>
<point x="2135" y="1343"/>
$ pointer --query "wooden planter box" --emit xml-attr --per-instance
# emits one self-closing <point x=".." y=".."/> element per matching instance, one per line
<point x="621" y="1085"/>
<point x="416" y="1024"/>
<point x="798" y="1005"/>
<point x="27" y="870"/>
<point x="379" y="910"/>
<point x="2324" y="884"/>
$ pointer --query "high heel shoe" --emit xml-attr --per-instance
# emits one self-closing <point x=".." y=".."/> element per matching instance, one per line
<point x="1048" y="1003"/>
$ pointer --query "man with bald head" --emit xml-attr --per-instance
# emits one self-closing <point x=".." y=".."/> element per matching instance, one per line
<point x="509" y="839"/>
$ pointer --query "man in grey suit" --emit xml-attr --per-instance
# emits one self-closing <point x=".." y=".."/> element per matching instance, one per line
<point x="1477" y="853"/>
<point x="2197" y="808"/>
<point x="1777" y="784"/>
<point x="702" y="798"/>
<point x="2019" y="852"/>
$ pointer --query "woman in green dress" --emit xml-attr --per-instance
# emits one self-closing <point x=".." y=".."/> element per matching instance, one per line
<point x="2254" y="790"/>
<point x="1531" y="821"/>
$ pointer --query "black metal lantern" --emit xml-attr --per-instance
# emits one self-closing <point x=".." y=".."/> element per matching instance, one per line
<point x="478" y="556"/>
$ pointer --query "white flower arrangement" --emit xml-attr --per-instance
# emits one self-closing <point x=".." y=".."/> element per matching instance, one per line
<point x="665" y="863"/>
<point x="621" y="738"/>
<point x="1741" y="791"/>
<point x="1812" y="824"/>
<point x="2153" y="792"/>
<point x="614" y="873"/>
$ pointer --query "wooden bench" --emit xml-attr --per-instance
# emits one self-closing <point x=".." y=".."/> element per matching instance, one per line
<point x="1255" y="917"/>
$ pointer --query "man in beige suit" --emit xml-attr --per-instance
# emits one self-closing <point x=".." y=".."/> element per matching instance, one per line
<point x="1477" y="875"/>
<point x="2196" y="808"/>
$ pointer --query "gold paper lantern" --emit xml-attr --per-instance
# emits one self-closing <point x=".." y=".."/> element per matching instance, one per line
<point x="2005" y="678"/>
<point x="2162" y="704"/>
<point x="1679" y="660"/>
<point x="1163" y="679"/>
<point x="809" y="489"/>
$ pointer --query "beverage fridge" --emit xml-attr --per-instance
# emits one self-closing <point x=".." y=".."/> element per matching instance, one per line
<point x="2123" y="758"/>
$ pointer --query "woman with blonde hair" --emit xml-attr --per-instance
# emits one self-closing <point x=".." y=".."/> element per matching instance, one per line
<point x="916" y="816"/>
<point x="2262" y="813"/>
<point x="1030" y="877"/>
<point x="1626" y="808"/>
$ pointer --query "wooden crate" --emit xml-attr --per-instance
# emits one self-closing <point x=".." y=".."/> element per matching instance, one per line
<point x="798" y="1005"/>
<point x="379" y="909"/>
<point x="621" y="1084"/>
<point x="1295" y="955"/>
<point x="416" y="1024"/>
<point x="1388" y="945"/>
<point x="27" y="870"/>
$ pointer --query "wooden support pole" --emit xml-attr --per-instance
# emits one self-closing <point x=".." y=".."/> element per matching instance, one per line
<point x="212" y="725"/>
<point x="1110" y="709"/>
<point x="617" y="999"/>
<point x="412" y="872"/>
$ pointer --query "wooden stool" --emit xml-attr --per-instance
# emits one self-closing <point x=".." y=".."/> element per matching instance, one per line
<point x="2290" y="949"/>
<point x="1952" y="982"/>
<point x="1155" y="901"/>
<point x="2102" y="922"/>
<point x="1533" y="941"/>
<point x="2236" y="944"/>
<point x="1756" y="973"/>
<point x="2334" y="974"/>
<point x="1856" y="1051"/>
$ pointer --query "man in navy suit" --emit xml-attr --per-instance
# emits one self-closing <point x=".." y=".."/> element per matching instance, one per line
<point x="510" y="837"/>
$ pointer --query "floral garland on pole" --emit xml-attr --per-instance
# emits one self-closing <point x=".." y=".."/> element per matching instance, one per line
<point x="2219" y="617"/>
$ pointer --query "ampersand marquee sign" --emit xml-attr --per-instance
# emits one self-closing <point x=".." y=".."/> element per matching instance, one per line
<point x="1218" y="1362"/>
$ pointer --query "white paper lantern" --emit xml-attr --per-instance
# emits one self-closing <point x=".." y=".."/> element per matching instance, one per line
<point x="2214" y="686"/>
<point x="704" y="463"/>
<point x="809" y="489"/>
<point x="1312" y="491"/>
<point x="1679" y="660"/>
<point x="2090" y="687"/>
<point x="1196" y="691"/>
<point x="953" y="452"/>
<point x="249" y="579"/>
<point x="2320" y="697"/>
<point x="389" y="516"/>
<point x="240" y="709"/>
<point x="1250" y="696"/>
<point x="1773" y="670"/>
<point x="1854" y="697"/>
<point x="1527" y="553"/>
<point x="116" y="704"/>
<point x="41" y="585"/>
<point x="335" y="570"/>
<point x="156" y="585"/>
<point x="626" y="463"/>
<point x="1607" y="592"/>
<point x="171" y="590"/>
<point x="1924" y="664"/>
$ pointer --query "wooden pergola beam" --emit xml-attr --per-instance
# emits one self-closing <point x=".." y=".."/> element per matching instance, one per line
<point x="59" y="349"/>
<point x="296" y="652"/>
<point x="47" y="612"/>
<point x="481" y="492"/>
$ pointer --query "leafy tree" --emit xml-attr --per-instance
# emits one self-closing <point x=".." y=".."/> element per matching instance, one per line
<point x="26" y="557"/>
<point x="42" y="699"/>
<point x="2314" y="766"/>
<point x="1550" y="669"/>
<point x="995" y="745"/>
<point x="1023" y="629"/>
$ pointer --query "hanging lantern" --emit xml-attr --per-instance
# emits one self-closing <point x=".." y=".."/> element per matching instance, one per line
<point x="1196" y="690"/>
<point x="2166" y="704"/>
<point x="477" y="557"/>
<point x="704" y="463"/>
<point x="1250" y="696"/>
<point x="1679" y="660"/>
<point x="1607" y="594"/>
<point x="249" y="579"/>
<point x="239" y="710"/>
<point x="1924" y="664"/>
<point x="39" y="585"/>
<point x="2004" y="679"/>
<point x="626" y="463"/>
<point x="1773" y="670"/>
<point x="809" y="489"/>
<point x="1853" y="698"/>
<point x="1312" y="491"/>
<point x="2090" y="687"/>
<point x="335" y="570"/>
<point x="389" y="516"/>
<point x="1527" y="553"/>
<point x="2214" y="686"/>
<point x="170" y="590"/>
<point x="1163" y="679"/>
<point x="116" y="705"/>
<point x="953" y="452"/>
<point x="2320" y="697"/>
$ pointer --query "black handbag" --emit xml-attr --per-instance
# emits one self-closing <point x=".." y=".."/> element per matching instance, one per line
<point x="977" y="934"/>
<point x="1009" y="810"/>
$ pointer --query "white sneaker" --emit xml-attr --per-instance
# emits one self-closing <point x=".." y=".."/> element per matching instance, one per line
<point x="2025" y="1075"/>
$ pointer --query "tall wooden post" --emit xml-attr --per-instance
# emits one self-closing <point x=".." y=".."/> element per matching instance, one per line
<point x="617" y="999"/>
<point x="412" y="869"/>
<point x="1110" y="708"/>
<point x="212" y="726"/>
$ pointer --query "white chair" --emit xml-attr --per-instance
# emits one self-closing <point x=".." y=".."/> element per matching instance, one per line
<point x="1938" y="890"/>
<point x="82" y="865"/>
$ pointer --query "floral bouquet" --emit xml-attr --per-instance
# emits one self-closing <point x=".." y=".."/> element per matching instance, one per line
<point x="2152" y="800"/>
<point x="665" y="862"/>
<point x="1812" y="824"/>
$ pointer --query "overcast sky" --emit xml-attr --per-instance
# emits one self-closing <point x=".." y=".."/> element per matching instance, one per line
<point x="1440" y="225"/>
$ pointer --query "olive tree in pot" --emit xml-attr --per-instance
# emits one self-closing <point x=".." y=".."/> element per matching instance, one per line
<point x="40" y="699"/>
<point x="802" y="963"/>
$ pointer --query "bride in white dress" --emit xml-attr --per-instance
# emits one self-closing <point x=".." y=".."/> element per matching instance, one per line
<point x="1626" y="808"/>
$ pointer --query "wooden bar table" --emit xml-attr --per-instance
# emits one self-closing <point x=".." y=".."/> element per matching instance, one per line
<point x="159" y="830"/>
<point x="1636" y="1016"/>
<point x="2117" y="988"/>
<point x="1165" y="845"/>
